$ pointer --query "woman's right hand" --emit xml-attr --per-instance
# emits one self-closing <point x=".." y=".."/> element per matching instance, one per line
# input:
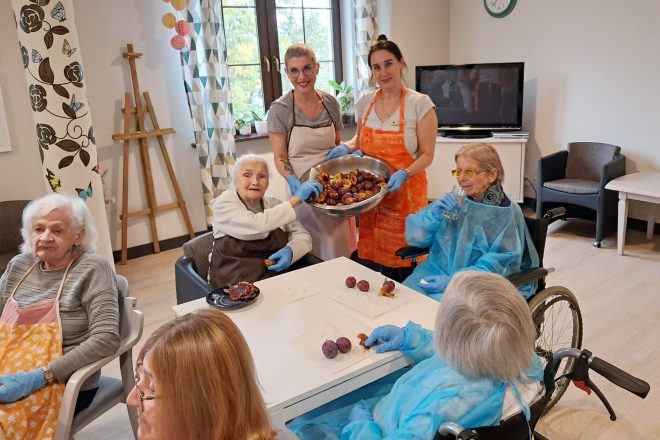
<point x="445" y="203"/>
<point x="307" y="189"/>
<point x="392" y="338"/>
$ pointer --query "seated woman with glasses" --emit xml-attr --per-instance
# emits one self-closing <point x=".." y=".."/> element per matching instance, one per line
<point x="481" y="230"/>
<point x="195" y="379"/>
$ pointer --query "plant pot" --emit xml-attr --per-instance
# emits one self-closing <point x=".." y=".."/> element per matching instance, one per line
<point x="245" y="130"/>
<point x="261" y="127"/>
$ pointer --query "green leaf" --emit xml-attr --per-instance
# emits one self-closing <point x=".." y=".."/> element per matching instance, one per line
<point x="334" y="85"/>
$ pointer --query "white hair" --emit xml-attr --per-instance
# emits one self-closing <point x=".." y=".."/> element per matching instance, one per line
<point x="484" y="327"/>
<point x="243" y="160"/>
<point x="79" y="214"/>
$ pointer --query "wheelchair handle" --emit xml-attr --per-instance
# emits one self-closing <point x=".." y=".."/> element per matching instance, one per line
<point x="610" y="372"/>
<point x="457" y="431"/>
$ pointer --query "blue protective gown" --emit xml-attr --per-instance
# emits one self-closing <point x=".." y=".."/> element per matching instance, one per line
<point x="484" y="237"/>
<point x="423" y="398"/>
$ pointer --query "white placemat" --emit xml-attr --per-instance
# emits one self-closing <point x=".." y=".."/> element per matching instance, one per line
<point x="311" y="342"/>
<point x="370" y="303"/>
<point x="294" y="289"/>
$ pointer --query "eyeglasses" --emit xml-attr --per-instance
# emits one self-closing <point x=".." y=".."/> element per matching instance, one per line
<point x="139" y="394"/>
<point x="467" y="173"/>
<point x="294" y="71"/>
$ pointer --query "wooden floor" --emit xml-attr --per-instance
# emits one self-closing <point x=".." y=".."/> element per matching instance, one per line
<point x="620" y="301"/>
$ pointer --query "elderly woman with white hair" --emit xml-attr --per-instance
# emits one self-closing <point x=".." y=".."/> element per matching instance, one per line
<point x="255" y="235"/>
<point x="59" y="313"/>
<point x="480" y="370"/>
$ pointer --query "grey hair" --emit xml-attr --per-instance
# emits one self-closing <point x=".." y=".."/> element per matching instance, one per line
<point x="484" y="327"/>
<point x="487" y="157"/>
<point x="299" y="50"/>
<point x="81" y="219"/>
<point x="243" y="160"/>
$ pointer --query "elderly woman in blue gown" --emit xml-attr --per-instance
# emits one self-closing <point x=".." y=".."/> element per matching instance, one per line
<point x="479" y="370"/>
<point x="487" y="231"/>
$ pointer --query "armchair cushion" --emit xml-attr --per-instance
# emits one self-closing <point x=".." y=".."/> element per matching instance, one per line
<point x="574" y="186"/>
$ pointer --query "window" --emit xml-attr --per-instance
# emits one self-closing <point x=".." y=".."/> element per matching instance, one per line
<point x="257" y="34"/>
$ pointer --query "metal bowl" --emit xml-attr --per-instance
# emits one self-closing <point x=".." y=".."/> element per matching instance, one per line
<point x="345" y="164"/>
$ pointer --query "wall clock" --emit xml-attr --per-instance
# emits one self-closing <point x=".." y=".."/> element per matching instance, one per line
<point x="499" y="8"/>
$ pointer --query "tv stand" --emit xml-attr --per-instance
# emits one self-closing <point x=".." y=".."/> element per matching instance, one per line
<point x="472" y="134"/>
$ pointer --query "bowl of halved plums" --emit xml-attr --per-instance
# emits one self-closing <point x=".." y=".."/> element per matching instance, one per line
<point x="351" y="184"/>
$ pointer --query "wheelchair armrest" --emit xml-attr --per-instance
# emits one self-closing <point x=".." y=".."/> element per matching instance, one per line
<point x="411" y="252"/>
<point x="527" y="276"/>
<point x="189" y="284"/>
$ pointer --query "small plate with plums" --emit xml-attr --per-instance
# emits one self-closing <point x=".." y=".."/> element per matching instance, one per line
<point x="234" y="296"/>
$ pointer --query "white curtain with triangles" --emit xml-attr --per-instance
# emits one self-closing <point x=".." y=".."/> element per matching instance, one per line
<point x="207" y="84"/>
<point x="365" y="28"/>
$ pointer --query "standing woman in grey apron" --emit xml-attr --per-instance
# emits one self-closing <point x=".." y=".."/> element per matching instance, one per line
<point x="303" y="128"/>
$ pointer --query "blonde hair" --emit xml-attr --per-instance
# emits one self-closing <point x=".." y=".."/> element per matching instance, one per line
<point x="486" y="156"/>
<point x="299" y="50"/>
<point x="484" y="327"/>
<point x="204" y="370"/>
<point x="79" y="214"/>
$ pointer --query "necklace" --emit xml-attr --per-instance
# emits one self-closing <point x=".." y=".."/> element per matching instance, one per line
<point x="390" y="111"/>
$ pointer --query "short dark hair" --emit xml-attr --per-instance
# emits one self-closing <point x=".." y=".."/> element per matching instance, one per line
<point x="382" y="43"/>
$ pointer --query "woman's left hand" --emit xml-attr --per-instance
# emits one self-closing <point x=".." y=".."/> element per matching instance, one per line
<point x="360" y="412"/>
<point x="15" y="386"/>
<point x="283" y="259"/>
<point x="435" y="283"/>
<point x="397" y="180"/>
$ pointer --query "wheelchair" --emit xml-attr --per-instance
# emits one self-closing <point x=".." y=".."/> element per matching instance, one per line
<point x="516" y="427"/>
<point x="555" y="310"/>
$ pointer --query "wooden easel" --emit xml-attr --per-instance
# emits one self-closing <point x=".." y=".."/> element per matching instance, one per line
<point x="142" y="134"/>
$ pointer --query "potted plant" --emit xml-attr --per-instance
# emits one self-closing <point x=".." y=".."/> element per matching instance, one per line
<point x="345" y="98"/>
<point x="243" y="126"/>
<point x="260" y="122"/>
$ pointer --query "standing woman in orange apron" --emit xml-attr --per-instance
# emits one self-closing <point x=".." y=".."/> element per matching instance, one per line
<point x="303" y="129"/>
<point x="397" y="125"/>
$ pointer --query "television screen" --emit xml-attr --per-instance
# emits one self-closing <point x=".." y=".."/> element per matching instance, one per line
<point x="474" y="96"/>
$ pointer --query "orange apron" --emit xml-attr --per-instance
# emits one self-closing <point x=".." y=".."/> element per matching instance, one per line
<point x="382" y="230"/>
<point x="31" y="337"/>
<point x="332" y="237"/>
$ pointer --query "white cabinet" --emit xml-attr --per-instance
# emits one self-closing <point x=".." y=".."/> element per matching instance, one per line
<point x="512" y="155"/>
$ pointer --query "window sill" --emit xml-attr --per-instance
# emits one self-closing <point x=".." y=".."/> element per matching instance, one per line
<point x="249" y="137"/>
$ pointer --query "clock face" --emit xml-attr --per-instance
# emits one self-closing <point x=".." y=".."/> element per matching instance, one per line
<point x="499" y="8"/>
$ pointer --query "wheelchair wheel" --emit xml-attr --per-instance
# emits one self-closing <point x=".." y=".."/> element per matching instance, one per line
<point x="558" y="322"/>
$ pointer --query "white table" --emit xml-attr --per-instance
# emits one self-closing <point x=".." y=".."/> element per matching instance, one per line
<point x="644" y="186"/>
<point x="294" y="382"/>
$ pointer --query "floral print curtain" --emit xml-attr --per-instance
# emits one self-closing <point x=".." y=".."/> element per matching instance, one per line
<point x="207" y="84"/>
<point x="63" y="128"/>
<point x="365" y="27"/>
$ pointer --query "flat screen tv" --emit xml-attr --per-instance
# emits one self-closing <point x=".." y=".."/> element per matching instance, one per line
<point x="473" y="100"/>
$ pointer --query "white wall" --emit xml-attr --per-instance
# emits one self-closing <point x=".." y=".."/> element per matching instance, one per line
<point x="104" y="29"/>
<point x="591" y="71"/>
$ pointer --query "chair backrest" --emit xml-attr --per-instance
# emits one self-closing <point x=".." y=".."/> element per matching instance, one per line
<point x="198" y="250"/>
<point x="586" y="159"/>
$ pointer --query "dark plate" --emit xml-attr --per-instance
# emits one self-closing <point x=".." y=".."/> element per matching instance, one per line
<point x="220" y="298"/>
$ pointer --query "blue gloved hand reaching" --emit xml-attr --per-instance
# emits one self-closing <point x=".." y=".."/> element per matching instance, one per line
<point x="294" y="183"/>
<point x="392" y="336"/>
<point x="435" y="283"/>
<point x="342" y="150"/>
<point x="360" y="412"/>
<point x="308" y="188"/>
<point x="445" y="203"/>
<point x="397" y="180"/>
<point x="15" y="386"/>
<point x="283" y="259"/>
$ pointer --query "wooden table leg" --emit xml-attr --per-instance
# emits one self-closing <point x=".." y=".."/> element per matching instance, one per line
<point x="622" y="222"/>
<point x="650" y="222"/>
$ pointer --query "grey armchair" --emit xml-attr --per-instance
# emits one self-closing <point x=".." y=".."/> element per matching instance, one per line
<point x="576" y="178"/>
<point x="11" y="213"/>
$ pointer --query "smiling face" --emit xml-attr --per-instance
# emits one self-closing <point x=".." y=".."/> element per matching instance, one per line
<point x="476" y="185"/>
<point x="386" y="69"/>
<point x="252" y="182"/>
<point x="53" y="237"/>
<point x="302" y="72"/>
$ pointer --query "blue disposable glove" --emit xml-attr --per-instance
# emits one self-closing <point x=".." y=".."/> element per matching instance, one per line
<point x="338" y="151"/>
<point x="360" y="412"/>
<point x="392" y="336"/>
<point x="294" y="183"/>
<point x="434" y="283"/>
<point x="445" y="203"/>
<point x="15" y="386"/>
<point x="283" y="259"/>
<point x="311" y="187"/>
<point x="396" y="180"/>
